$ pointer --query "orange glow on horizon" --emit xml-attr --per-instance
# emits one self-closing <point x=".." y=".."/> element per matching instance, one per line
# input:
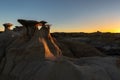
<point x="89" y="30"/>
<point x="107" y="25"/>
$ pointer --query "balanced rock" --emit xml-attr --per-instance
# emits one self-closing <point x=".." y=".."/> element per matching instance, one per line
<point x="35" y="47"/>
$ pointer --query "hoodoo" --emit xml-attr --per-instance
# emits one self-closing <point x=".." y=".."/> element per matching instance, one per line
<point x="7" y="26"/>
<point x="35" y="55"/>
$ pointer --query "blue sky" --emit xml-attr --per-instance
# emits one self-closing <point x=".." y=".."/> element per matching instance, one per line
<point x="65" y="15"/>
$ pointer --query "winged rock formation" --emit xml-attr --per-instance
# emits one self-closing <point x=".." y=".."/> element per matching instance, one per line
<point x="34" y="55"/>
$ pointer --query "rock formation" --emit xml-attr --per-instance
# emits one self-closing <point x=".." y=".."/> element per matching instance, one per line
<point x="36" y="46"/>
<point x="76" y="49"/>
<point x="35" y="55"/>
<point x="7" y="26"/>
<point x="6" y="38"/>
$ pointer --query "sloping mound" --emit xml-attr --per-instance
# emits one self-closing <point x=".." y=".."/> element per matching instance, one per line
<point x="76" y="49"/>
<point x="93" y="68"/>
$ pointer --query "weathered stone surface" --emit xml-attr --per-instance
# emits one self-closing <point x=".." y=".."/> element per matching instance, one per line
<point x="92" y="68"/>
<point x="6" y="38"/>
<point x="30" y="49"/>
<point x="77" y="49"/>
<point x="37" y="56"/>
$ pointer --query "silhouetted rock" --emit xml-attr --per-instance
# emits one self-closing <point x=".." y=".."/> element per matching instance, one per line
<point x="31" y="26"/>
<point x="7" y="26"/>
<point x="43" y="22"/>
<point x="35" y="55"/>
<point x="40" y="46"/>
<point x="28" y="23"/>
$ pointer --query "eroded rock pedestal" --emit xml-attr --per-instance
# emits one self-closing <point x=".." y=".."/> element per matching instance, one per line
<point x="34" y="55"/>
<point x="31" y="45"/>
<point x="6" y="38"/>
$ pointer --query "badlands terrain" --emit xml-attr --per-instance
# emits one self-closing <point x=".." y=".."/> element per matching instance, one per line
<point x="29" y="53"/>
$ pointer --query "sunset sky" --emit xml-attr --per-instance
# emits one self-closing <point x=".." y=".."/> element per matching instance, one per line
<point x="65" y="15"/>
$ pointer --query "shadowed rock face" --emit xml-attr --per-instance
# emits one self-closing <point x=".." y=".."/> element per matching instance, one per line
<point x="6" y="38"/>
<point x="18" y="28"/>
<point x="31" y="26"/>
<point x="35" y="55"/>
<point x="29" y="49"/>
<point x="76" y="49"/>
<point x="27" y="23"/>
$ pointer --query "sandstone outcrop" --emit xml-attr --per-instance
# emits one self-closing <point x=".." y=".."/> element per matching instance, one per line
<point x="35" y="55"/>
